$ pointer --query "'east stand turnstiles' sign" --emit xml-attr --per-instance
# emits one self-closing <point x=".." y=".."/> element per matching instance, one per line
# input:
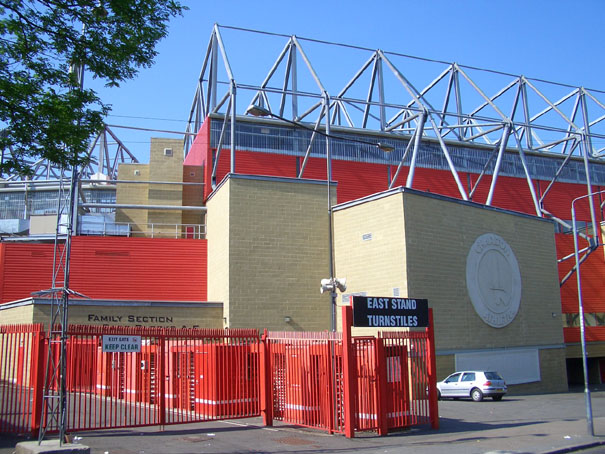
<point x="387" y="312"/>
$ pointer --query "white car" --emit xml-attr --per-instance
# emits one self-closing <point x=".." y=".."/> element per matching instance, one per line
<point x="474" y="384"/>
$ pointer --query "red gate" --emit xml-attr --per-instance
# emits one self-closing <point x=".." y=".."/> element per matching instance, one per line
<point x="328" y="381"/>
<point x="338" y="383"/>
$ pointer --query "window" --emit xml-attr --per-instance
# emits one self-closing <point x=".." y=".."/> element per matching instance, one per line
<point x="452" y="378"/>
<point x="469" y="377"/>
<point x="493" y="376"/>
<point x="167" y="151"/>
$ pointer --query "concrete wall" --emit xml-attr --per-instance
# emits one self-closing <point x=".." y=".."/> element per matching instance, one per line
<point x="268" y="251"/>
<point x="43" y="224"/>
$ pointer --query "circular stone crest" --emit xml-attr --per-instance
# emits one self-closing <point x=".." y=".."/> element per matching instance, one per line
<point x="493" y="280"/>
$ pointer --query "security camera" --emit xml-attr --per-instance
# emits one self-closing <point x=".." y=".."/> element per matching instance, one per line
<point x="341" y="283"/>
<point x="326" y="285"/>
<point x="333" y="284"/>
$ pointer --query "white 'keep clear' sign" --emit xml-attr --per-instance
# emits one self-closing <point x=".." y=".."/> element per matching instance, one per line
<point x="121" y="344"/>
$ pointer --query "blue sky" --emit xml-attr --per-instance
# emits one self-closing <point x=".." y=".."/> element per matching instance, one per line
<point x="556" y="40"/>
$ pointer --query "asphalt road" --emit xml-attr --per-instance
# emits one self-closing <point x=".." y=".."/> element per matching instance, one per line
<point x="550" y="423"/>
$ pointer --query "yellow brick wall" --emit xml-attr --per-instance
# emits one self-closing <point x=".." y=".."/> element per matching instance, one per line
<point x="377" y="265"/>
<point x="165" y="168"/>
<point x="17" y="315"/>
<point x="593" y="350"/>
<point x="193" y="194"/>
<point x="161" y="167"/>
<point x="439" y="236"/>
<point x="217" y="226"/>
<point x="420" y="244"/>
<point x="277" y="253"/>
<point x="133" y="194"/>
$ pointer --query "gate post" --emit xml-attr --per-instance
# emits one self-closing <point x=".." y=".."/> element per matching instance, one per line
<point x="432" y="364"/>
<point x="161" y="375"/>
<point x="266" y="394"/>
<point x="36" y="378"/>
<point x="349" y="369"/>
<point x="381" y="387"/>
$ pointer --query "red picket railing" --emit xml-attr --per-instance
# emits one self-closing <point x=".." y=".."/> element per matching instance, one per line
<point x="327" y="381"/>
<point x="19" y="350"/>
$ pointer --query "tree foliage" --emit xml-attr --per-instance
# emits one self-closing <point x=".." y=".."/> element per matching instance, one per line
<point x="45" y="112"/>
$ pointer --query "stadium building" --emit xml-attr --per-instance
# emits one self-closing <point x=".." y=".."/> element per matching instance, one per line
<point x="436" y="190"/>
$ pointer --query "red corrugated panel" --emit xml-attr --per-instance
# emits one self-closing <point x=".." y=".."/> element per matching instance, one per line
<point x="592" y="333"/>
<point x="316" y="169"/>
<point x="2" y="252"/>
<point x="198" y="154"/>
<point x="354" y="179"/>
<point x="249" y="162"/>
<point x="26" y="268"/>
<point x="592" y="272"/>
<point x="113" y="268"/>
<point x="559" y="198"/>
<point x="401" y="178"/>
<point x="358" y="179"/>
<point x="436" y="181"/>
<point x="513" y="194"/>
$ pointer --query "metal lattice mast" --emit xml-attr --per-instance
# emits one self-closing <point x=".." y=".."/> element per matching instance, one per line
<point x="54" y="407"/>
<point x="54" y="415"/>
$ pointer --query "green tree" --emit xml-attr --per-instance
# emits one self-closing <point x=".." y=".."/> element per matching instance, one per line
<point x="44" y="112"/>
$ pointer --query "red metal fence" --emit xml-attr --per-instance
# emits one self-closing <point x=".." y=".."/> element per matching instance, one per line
<point x="338" y="383"/>
<point x="19" y="350"/>
<point x="179" y="376"/>
<point x="327" y="381"/>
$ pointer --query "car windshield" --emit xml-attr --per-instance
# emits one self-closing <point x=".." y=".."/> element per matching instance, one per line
<point x="493" y="376"/>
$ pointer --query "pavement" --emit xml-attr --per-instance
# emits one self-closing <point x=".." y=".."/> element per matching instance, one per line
<point x="548" y="423"/>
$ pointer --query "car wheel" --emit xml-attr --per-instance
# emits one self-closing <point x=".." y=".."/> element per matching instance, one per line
<point x="477" y="395"/>
<point x="497" y="397"/>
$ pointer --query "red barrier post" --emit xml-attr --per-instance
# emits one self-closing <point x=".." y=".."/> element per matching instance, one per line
<point x="37" y="380"/>
<point x="266" y="394"/>
<point x="161" y="378"/>
<point x="332" y="394"/>
<point x="432" y="372"/>
<point x="381" y="385"/>
<point x="349" y="376"/>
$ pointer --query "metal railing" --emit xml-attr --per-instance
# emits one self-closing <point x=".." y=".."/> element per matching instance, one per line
<point x="149" y="230"/>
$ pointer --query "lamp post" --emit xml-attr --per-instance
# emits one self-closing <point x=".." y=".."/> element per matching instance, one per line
<point x="333" y="295"/>
<point x="333" y="283"/>
<point x="581" y="312"/>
